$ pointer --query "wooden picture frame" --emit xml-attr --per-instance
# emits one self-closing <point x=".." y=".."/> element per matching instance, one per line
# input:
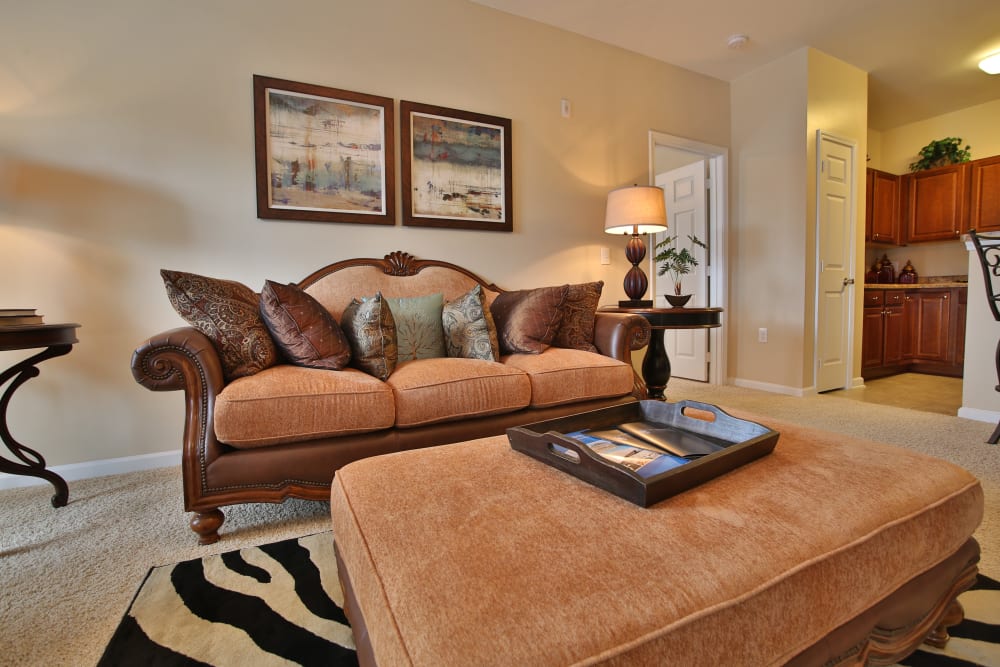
<point x="456" y="168"/>
<point x="323" y="154"/>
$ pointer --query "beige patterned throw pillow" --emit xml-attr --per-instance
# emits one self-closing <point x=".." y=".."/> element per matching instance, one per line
<point x="228" y="313"/>
<point x="469" y="331"/>
<point x="371" y="331"/>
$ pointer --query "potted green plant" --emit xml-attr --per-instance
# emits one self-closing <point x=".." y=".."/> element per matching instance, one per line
<point x="941" y="152"/>
<point x="676" y="260"/>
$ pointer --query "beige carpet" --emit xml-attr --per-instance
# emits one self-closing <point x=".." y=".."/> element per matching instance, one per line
<point x="67" y="575"/>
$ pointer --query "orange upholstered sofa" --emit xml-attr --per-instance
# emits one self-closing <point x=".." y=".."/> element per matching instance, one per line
<point x="283" y="431"/>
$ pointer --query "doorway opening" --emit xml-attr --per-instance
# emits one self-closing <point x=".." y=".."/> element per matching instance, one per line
<point x="667" y="153"/>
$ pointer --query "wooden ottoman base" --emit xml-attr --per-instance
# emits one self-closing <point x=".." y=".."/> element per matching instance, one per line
<point x="829" y="551"/>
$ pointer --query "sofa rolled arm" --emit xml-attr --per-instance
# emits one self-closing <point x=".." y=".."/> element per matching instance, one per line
<point x="616" y="335"/>
<point x="184" y="358"/>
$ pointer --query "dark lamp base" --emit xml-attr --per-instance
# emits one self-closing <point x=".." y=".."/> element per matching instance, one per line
<point x="636" y="303"/>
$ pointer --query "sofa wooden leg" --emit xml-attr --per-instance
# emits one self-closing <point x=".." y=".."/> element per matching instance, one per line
<point x="207" y="525"/>
<point x="939" y="637"/>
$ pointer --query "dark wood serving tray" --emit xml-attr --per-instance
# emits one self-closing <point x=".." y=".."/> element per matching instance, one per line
<point x="741" y="441"/>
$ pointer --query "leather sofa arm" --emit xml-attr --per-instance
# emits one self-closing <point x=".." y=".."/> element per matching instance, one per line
<point x="184" y="358"/>
<point x="616" y="335"/>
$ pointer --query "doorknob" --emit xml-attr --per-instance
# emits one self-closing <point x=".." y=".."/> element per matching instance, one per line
<point x="848" y="281"/>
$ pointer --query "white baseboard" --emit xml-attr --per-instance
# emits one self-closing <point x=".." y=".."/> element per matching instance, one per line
<point x="774" y="388"/>
<point x="87" y="469"/>
<point x="979" y="415"/>
<point x="857" y="382"/>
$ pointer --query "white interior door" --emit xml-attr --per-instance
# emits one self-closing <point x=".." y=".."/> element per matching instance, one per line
<point x="687" y="213"/>
<point x="835" y="219"/>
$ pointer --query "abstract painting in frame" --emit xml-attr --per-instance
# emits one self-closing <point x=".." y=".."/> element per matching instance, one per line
<point x="323" y="154"/>
<point x="456" y="168"/>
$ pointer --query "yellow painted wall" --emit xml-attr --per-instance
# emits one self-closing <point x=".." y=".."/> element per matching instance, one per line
<point x="838" y="105"/>
<point x="126" y="145"/>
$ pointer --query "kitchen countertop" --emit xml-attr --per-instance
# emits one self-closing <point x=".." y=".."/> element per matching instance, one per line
<point x="940" y="285"/>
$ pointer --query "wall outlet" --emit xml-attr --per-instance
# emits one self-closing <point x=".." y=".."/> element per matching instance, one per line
<point x="762" y="335"/>
<point x="564" y="108"/>
<point x="605" y="255"/>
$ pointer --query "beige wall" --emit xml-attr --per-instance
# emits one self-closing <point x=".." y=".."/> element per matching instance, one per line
<point x="978" y="127"/>
<point x="767" y="235"/>
<point x="776" y="111"/>
<point x="126" y="145"/>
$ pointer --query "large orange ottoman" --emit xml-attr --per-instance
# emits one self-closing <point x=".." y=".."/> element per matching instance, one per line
<point x="830" y="550"/>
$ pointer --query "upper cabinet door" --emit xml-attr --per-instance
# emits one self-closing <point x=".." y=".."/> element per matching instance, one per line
<point x="936" y="203"/>
<point x="984" y="203"/>
<point x="882" y="207"/>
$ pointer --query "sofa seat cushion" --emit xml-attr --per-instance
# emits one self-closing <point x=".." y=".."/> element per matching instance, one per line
<point x="429" y="391"/>
<point x="560" y="375"/>
<point x="287" y="403"/>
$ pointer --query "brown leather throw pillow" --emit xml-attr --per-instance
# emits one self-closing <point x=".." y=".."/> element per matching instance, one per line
<point x="527" y="320"/>
<point x="302" y="328"/>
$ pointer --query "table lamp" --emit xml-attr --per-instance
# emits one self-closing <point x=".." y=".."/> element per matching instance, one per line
<point x="637" y="209"/>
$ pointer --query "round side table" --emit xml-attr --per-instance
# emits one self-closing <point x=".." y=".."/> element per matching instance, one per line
<point x="57" y="339"/>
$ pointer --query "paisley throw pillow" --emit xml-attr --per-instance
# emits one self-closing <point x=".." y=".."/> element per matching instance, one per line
<point x="228" y="313"/>
<point x="469" y="331"/>
<point x="577" y="329"/>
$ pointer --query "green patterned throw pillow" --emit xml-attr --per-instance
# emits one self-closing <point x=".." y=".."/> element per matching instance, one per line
<point x="418" y="326"/>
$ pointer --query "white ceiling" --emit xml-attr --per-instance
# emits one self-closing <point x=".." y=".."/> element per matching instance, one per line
<point x="921" y="55"/>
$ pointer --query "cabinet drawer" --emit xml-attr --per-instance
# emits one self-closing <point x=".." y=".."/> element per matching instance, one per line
<point x="894" y="297"/>
<point x="874" y="297"/>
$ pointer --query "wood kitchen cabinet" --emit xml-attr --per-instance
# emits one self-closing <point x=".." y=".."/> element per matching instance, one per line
<point x="984" y="200"/>
<point x="882" y="207"/>
<point x="931" y="324"/>
<point x="936" y="203"/>
<point x="920" y="330"/>
<point x="883" y="333"/>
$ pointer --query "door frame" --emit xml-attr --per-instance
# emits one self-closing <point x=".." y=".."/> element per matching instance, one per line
<point x="718" y="222"/>
<point x="850" y="320"/>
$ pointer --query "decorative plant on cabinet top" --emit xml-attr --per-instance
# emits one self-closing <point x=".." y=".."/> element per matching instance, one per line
<point x="675" y="260"/>
<point x="940" y="153"/>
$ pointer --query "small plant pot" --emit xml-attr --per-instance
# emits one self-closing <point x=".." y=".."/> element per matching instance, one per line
<point x="678" y="300"/>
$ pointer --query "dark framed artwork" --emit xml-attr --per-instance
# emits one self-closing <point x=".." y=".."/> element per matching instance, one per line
<point x="323" y="154"/>
<point x="456" y="168"/>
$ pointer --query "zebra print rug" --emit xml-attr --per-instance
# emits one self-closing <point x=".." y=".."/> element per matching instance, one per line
<point x="281" y="603"/>
<point x="278" y="603"/>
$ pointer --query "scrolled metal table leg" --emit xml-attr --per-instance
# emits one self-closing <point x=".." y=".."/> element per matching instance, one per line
<point x="31" y="462"/>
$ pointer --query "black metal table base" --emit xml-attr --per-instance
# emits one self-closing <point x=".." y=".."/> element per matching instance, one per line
<point x="29" y="462"/>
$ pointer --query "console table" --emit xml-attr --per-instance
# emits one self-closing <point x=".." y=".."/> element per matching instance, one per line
<point x="656" y="365"/>
<point x="58" y="340"/>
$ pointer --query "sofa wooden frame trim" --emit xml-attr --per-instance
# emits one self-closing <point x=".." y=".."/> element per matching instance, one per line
<point x="185" y="359"/>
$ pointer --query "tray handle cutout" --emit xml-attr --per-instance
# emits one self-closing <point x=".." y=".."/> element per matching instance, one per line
<point x="564" y="453"/>
<point x="692" y="412"/>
